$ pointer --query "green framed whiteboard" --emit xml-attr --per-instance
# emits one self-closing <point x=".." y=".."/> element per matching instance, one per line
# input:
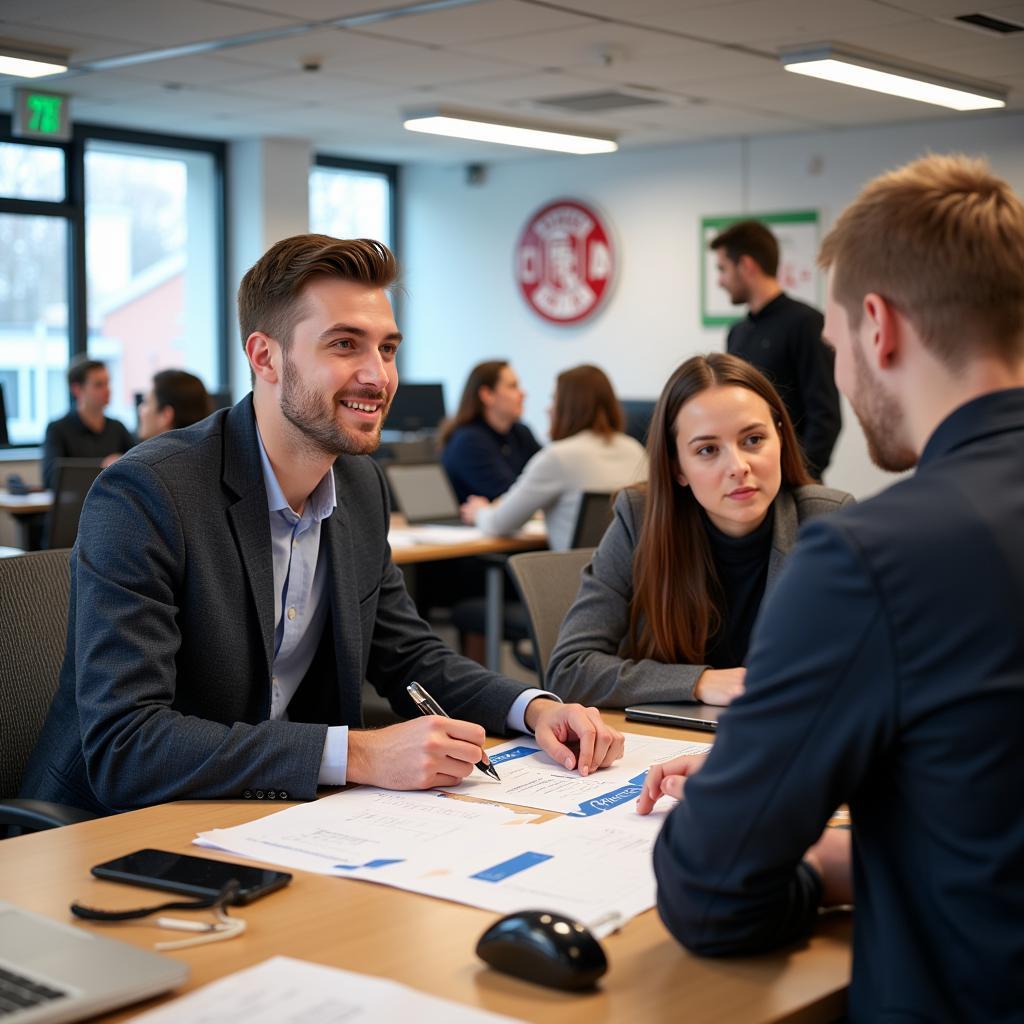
<point x="797" y="232"/>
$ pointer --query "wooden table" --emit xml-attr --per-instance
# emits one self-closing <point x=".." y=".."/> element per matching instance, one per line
<point x="423" y="942"/>
<point x="24" y="508"/>
<point x="494" y="622"/>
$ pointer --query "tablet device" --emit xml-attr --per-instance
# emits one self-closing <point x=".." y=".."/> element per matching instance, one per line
<point x="685" y="715"/>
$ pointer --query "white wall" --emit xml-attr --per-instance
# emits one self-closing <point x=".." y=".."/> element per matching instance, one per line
<point x="463" y="305"/>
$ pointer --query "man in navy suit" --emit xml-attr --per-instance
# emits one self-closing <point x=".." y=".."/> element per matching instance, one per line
<point x="887" y="671"/>
<point x="232" y="585"/>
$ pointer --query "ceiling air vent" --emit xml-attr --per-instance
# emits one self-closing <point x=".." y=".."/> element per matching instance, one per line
<point x="597" y="102"/>
<point x="989" y="24"/>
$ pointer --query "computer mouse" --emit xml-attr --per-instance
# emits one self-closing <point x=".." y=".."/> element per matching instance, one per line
<point x="544" y="947"/>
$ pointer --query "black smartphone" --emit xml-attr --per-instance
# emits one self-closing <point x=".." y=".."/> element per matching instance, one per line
<point x="193" y="876"/>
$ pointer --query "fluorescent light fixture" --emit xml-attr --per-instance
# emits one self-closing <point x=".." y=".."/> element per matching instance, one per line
<point x="483" y="128"/>
<point x="24" y="61"/>
<point x="865" y="71"/>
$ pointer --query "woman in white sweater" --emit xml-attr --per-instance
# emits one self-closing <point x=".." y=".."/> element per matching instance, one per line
<point x="588" y="452"/>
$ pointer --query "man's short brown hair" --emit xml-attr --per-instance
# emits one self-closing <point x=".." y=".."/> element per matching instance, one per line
<point x="942" y="239"/>
<point x="80" y="367"/>
<point x="749" y="238"/>
<point x="269" y="295"/>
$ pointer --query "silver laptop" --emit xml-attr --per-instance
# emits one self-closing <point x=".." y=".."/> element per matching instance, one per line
<point x="55" y="972"/>
<point x="683" y="715"/>
<point x="423" y="493"/>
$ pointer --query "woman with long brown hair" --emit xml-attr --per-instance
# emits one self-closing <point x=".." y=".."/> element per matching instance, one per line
<point x="484" y="446"/>
<point x="665" y="609"/>
<point x="588" y="452"/>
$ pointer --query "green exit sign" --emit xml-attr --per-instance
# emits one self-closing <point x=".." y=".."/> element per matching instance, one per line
<point x="41" y="115"/>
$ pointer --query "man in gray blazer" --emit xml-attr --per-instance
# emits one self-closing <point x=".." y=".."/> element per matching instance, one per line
<point x="232" y="585"/>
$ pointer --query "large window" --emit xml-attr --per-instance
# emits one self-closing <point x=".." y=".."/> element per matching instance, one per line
<point x="111" y="244"/>
<point x="34" y="236"/>
<point x="352" y="199"/>
<point x="152" y="259"/>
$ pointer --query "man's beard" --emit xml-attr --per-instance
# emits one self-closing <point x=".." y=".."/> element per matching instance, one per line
<point x="881" y="419"/>
<point x="316" y="417"/>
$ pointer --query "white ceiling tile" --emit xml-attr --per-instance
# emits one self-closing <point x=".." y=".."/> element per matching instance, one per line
<point x="167" y="24"/>
<point x="302" y="87"/>
<point x="193" y="71"/>
<point x="311" y="10"/>
<point x="50" y="11"/>
<point x="772" y="20"/>
<point x="676" y="73"/>
<point x="584" y="46"/>
<point x="992" y="59"/>
<point x="432" y="67"/>
<point x="81" y="46"/>
<point x="335" y="49"/>
<point x="943" y="8"/>
<point x="491" y="20"/>
<point x="918" y="40"/>
<point x="532" y="86"/>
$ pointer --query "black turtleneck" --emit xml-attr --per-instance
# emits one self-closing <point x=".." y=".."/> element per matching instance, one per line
<point x="742" y="566"/>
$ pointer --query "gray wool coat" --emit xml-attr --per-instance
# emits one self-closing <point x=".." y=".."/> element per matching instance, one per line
<point x="589" y="662"/>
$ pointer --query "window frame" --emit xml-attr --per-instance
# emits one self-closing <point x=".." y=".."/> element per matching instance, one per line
<point x="72" y="211"/>
<point x="388" y="171"/>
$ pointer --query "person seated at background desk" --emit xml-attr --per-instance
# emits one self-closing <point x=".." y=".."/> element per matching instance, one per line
<point x="84" y="432"/>
<point x="665" y="608"/>
<point x="484" y="446"/>
<point x="588" y="452"/>
<point x="177" y="399"/>
<point x="887" y="670"/>
<point x="232" y="585"/>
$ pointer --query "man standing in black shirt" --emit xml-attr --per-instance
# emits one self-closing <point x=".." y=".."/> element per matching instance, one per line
<point x="85" y="433"/>
<point x="780" y="336"/>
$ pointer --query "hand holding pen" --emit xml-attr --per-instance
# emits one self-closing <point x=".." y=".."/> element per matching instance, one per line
<point x="426" y="705"/>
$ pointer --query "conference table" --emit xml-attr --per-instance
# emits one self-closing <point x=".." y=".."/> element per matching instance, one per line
<point x="420" y="941"/>
<point x="26" y="510"/>
<point x="411" y="545"/>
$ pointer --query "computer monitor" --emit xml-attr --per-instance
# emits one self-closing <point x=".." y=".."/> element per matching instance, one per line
<point x="4" y="439"/>
<point x="638" y="413"/>
<point x="415" y="408"/>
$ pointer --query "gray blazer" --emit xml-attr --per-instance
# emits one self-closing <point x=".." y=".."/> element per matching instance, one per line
<point x="166" y="685"/>
<point x="588" y="663"/>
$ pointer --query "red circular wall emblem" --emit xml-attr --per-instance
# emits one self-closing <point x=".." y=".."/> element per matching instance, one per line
<point x="564" y="262"/>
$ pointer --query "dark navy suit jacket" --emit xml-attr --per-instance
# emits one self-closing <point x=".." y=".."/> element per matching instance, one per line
<point x="886" y="671"/>
<point x="479" y="460"/>
<point x="165" y="689"/>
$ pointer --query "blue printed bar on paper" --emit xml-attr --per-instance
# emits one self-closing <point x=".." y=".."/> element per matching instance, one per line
<point x="514" y="754"/>
<point x="511" y="867"/>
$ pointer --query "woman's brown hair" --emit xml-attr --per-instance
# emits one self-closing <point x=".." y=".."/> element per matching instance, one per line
<point x="676" y="594"/>
<point x="483" y="375"/>
<point x="585" y="400"/>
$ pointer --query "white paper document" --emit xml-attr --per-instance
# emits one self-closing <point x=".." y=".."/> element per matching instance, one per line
<point x="530" y="778"/>
<point x="283" y="990"/>
<point x="592" y="863"/>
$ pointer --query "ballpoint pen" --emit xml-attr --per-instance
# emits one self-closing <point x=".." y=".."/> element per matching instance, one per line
<point x="426" y="705"/>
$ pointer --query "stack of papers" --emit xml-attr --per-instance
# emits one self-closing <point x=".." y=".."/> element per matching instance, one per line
<point x="545" y="837"/>
<point x="284" y="989"/>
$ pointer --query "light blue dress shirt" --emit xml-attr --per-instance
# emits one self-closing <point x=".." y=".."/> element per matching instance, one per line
<point x="301" y="608"/>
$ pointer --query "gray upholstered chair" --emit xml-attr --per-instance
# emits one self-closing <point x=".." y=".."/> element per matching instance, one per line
<point x="33" y="622"/>
<point x="547" y="582"/>
<point x="594" y="517"/>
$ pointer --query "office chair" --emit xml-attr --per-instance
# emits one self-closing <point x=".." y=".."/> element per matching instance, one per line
<point x="33" y="622"/>
<point x="547" y="582"/>
<point x="593" y="518"/>
<point x="73" y="479"/>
